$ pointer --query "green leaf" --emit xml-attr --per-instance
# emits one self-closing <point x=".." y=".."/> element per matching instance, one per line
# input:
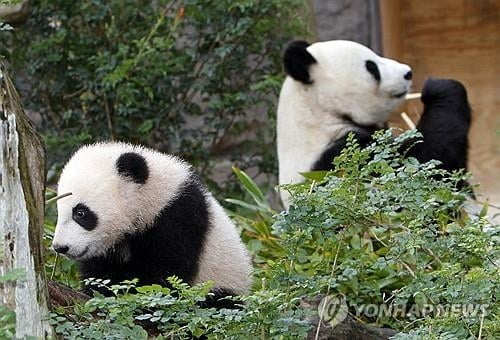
<point x="249" y="185"/>
<point x="317" y="176"/>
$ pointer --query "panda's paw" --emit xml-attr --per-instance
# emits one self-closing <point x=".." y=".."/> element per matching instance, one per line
<point x="443" y="89"/>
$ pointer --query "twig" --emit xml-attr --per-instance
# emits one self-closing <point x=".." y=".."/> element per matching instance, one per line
<point x="50" y="190"/>
<point x="312" y="187"/>
<point x="481" y="326"/>
<point x="74" y="94"/>
<point x="429" y="252"/>
<point x="376" y="237"/>
<point x="488" y="204"/>
<point x="316" y="336"/>
<point x="54" y="267"/>
<point x="57" y="197"/>
<point x="64" y="296"/>
<point x="411" y="96"/>
<point x="108" y="117"/>
<point x="408" y="121"/>
<point x="154" y="29"/>
<point x="412" y="273"/>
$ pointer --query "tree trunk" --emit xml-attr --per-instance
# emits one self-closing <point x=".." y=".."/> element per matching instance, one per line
<point x="15" y="14"/>
<point x="22" y="185"/>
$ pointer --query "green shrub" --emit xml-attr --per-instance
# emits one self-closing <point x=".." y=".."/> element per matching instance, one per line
<point x="383" y="229"/>
<point x="180" y="76"/>
<point x="174" y="313"/>
<point x="380" y="229"/>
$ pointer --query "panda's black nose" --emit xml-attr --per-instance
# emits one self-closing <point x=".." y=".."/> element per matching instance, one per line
<point x="408" y="75"/>
<point x="61" y="249"/>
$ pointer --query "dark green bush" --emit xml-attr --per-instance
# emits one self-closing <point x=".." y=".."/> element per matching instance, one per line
<point x="191" y="77"/>
<point x="384" y="230"/>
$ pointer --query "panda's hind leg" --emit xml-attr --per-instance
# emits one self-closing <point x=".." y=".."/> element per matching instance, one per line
<point x="221" y="298"/>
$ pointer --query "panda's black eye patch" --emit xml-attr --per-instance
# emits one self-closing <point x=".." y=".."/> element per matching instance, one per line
<point x="372" y="67"/>
<point x="84" y="216"/>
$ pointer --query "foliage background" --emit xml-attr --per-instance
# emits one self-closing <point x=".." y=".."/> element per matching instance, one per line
<point x="198" y="78"/>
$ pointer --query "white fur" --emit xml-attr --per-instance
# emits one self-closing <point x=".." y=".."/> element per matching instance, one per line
<point x="309" y="116"/>
<point x="223" y="259"/>
<point x="91" y="176"/>
<point x="90" y="173"/>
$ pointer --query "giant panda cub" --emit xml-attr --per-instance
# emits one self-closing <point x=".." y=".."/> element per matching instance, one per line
<point x="336" y="87"/>
<point x="138" y="213"/>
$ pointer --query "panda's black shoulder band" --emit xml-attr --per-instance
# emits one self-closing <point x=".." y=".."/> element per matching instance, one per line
<point x="133" y="166"/>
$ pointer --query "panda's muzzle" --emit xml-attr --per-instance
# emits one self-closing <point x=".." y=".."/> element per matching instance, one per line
<point x="61" y="249"/>
<point x="64" y="250"/>
<point x="400" y="94"/>
<point x="82" y="254"/>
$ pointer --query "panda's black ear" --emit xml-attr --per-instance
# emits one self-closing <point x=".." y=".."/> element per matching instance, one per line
<point x="133" y="167"/>
<point x="297" y="61"/>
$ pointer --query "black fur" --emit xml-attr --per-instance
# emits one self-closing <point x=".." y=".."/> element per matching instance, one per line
<point x="297" y="60"/>
<point x="133" y="166"/>
<point x="219" y="298"/>
<point x="171" y="246"/>
<point x="444" y="125"/>
<point x="368" y="128"/>
<point x="372" y="67"/>
<point x="324" y="162"/>
<point x="84" y="217"/>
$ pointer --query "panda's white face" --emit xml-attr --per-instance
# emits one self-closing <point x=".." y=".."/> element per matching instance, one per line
<point x="349" y="79"/>
<point x="116" y="189"/>
<point x="95" y="215"/>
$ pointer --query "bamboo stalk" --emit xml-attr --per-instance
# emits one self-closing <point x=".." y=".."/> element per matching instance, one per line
<point x="408" y="121"/>
<point x="416" y="95"/>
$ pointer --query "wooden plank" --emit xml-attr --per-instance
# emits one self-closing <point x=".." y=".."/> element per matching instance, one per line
<point x="457" y="39"/>
<point x="390" y="20"/>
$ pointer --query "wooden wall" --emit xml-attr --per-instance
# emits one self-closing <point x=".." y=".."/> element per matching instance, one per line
<point x="457" y="39"/>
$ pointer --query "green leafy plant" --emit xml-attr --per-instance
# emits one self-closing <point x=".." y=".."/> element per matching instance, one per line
<point x="255" y="219"/>
<point x="386" y="230"/>
<point x="381" y="229"/>
<point x="175" y="313"/>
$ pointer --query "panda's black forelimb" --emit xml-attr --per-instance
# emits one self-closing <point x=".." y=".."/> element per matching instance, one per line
<point x="444" y="124"/>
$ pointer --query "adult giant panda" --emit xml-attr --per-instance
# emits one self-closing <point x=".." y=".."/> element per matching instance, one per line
<point x="336" y="87"/>
<point x="137" y="213"/>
